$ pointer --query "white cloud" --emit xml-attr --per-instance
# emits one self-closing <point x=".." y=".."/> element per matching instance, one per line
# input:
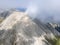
<point x="47" y="8"/>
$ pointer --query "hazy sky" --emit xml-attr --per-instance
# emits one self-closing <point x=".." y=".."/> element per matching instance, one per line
<point x="13" y="3"/>
<point x="25" y="3"/>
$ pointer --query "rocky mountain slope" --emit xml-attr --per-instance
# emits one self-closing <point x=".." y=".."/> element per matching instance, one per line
<point x="5" y="13"/>
<point x="19" y="29"/>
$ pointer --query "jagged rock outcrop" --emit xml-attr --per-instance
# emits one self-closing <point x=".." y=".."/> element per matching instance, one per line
<point x="7" y="12"/>
<point x="20" y="29"/>
<point x="4" y="13"/>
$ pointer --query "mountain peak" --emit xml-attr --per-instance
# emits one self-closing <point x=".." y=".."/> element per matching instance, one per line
<point x="19" y="29"/>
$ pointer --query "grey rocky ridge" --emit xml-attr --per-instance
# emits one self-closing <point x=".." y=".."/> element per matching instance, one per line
<point x="19" y="29"/>
<point x="4" y="13"/>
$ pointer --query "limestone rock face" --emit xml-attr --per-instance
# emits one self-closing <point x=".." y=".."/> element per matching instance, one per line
<point x="19" y="29"/>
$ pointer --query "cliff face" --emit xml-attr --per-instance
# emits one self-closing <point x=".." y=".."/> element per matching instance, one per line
<point x="19" y="29"/>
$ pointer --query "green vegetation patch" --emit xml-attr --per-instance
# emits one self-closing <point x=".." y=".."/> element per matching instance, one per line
<point x="55" y="41"/>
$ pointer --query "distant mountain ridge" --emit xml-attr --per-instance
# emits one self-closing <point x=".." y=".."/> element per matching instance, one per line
<point x="21" y="9"/>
